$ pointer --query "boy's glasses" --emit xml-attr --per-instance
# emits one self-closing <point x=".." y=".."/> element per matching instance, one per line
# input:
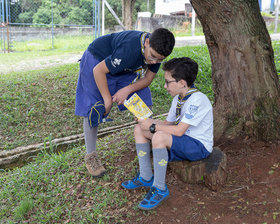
<point x="151" y="58"/>
<point x="167" y="82"/>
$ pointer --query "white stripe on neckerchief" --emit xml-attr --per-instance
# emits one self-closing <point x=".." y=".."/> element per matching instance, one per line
<point x="142" y="41"/>
<point x="181" y="102"/>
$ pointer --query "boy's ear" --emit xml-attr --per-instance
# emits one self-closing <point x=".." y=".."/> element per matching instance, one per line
<point x="147" y="42"/>
<point x="183" y="83"/>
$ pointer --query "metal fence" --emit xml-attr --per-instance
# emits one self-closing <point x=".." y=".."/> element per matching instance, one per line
<point x="44" y="24"/>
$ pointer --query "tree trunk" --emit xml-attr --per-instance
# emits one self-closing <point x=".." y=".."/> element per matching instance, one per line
<point x="127" y="13"/>
<point x="245" y="80"/>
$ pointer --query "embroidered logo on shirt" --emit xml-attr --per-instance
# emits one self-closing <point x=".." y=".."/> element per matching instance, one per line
<point x="191" y="111"/>
<point x="162" y="162"/>
<point x="141" y="153"/>
<point x="116" y="62"/>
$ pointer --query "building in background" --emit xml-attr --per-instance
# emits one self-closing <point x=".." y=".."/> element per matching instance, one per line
<point x="170" y="7"/>
<point x="267" y="5"/>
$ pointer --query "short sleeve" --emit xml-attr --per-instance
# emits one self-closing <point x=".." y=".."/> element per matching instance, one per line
<point x="196" y="109"/>
<point x="118" y="60"/>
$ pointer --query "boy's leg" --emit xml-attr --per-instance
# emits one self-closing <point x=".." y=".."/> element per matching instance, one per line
<point x="87" y="95"/>
<point x="143" y="149"/>
<point x="92" y="161"/>
<point x="159" y="191"/>
<point x="90" y="136"/>
<point x="160" y="157"/>
<point x="144" y="157"/>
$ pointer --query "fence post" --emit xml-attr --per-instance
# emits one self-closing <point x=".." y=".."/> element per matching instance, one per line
<point x="276" y="16"/>
<point x="103" y="18"/>
<point x="98" y="18"/>
<point x="52" y="26"/>
<point x="95" y="20"/>
<point x="2" y="25"/>
<point x="193" y="22"/>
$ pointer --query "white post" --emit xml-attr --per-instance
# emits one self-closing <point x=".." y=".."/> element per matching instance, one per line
<point x="276" y="16"/>
<point x="114" y="14"/>
<point x="103" y="18"/>
<point x="193" y="22"/>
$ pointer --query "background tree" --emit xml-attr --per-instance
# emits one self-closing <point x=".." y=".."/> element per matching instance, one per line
<point x="245" y="81"/>
<point x="44" y="13"/>
<point x="78" y="12"/>
<point x="127" y="13"/>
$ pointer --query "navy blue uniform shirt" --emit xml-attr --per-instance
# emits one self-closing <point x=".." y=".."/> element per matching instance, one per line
<point x="123" y="52"/>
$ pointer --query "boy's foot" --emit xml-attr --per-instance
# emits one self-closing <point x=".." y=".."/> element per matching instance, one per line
<point x="138" y="182"/>
<point x="154" y="198"/>
<point x="94" y="165"/>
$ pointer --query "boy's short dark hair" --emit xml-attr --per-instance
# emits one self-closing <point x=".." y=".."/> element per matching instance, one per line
<point x="162" y="41"/>
<point x="182" y="68"/>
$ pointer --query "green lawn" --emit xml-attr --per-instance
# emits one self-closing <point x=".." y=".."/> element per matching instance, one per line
<point x="55" y="188"/>
<point x="35" y="104"/>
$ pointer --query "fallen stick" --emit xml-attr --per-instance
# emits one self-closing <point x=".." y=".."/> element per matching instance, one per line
<point x="21" y="155"/>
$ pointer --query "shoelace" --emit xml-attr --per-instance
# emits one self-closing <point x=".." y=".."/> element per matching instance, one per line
<point x="94" y="161"/>
<point x="152" y="191"/>
<point x="135" y="178"/>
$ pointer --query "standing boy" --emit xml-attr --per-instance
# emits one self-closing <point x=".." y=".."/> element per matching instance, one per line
<point x="108" y="73"/>
<point x="186" y="134"/>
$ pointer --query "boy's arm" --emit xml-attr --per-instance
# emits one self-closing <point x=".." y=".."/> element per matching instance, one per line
<point x="123" y="93"/>
<point x="168" y="127"/>
<point x="99" y="73"/>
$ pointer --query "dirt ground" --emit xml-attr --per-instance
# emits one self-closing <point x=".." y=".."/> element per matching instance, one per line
<point x="251" y="193"/>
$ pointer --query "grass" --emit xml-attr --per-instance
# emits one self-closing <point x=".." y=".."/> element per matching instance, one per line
<point x="42" y="48"/>
<point x="54" y="188"/>
<point x="37" y="103"/>
<point x="61" y="43"/>
<point x="276" y="48"/>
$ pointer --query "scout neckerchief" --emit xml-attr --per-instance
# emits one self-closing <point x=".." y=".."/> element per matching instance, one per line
<point x="142" y="69"/>
<point x="142" y="41"/>
<point x="181" y="102"/>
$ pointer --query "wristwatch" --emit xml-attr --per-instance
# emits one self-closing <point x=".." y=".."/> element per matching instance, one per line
<point x="153" y="128"/>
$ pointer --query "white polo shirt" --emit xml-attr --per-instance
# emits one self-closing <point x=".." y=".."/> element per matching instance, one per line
<point x="198" y="113"/>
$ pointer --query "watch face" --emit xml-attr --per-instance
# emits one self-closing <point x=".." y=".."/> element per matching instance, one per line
<point x="153" y="128"/>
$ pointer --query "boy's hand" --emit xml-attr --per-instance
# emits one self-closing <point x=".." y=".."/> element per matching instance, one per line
<point x="108" y="104"/>
<point x="145" y="124"/>
<point x="120" y="96"/>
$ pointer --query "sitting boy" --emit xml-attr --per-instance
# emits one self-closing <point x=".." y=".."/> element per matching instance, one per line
<point x="186" y="134"/>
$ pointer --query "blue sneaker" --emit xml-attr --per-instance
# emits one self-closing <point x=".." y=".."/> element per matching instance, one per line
<point x="138" y="182"/>
<point x="154" y="198"/>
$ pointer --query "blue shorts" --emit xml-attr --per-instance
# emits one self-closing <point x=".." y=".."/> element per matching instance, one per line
<point x="187" y="148"/>
<point x="87" y="92"/>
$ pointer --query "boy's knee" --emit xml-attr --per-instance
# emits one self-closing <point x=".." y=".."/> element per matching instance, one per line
<point x="160" y="139"/>
<point x="137" y="130"/>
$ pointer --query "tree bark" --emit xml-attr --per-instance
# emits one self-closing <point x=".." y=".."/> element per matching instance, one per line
<point x="127" y="13"/>
<point x="245" y="81"/>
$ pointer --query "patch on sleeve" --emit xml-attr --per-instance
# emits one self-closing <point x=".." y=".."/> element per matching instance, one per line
<point x="191" y="111"/>
<point x="116" y="62"/>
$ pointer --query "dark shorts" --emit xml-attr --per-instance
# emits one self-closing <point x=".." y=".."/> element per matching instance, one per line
<point x="187" y="148"/>
<point x="87" y="92"/>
